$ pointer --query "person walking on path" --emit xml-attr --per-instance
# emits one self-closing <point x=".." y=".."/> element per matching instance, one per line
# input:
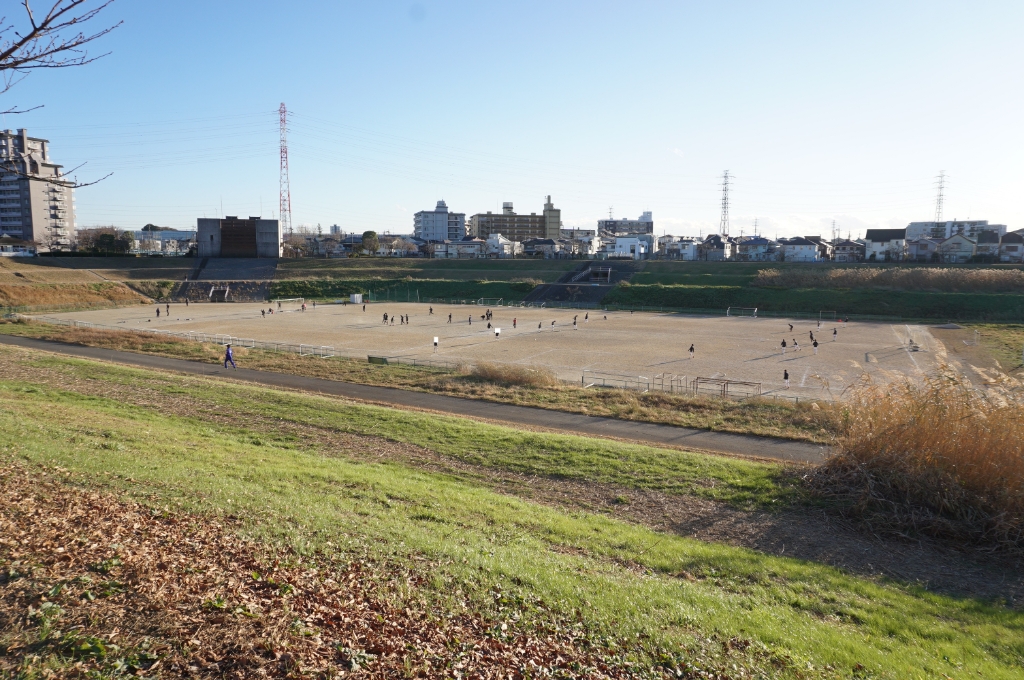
<point x="691" y="350"/>
<point x="815" y="346"/>
<point x="229" y="358"/>
<point x="783" y="347"/>
<point x="834" y="334"/>
<point x="785" y="378"/>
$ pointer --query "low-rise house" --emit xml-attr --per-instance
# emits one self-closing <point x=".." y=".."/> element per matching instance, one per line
<point x="15" y="247"/>
<point x="547" y="248"/>
<point x="499" y="247"/>
<point x="715" y="248"/>
<point x="848" y="251"/>
<point x="1011" y="248"/>
<point x="683" y="249"/>
<point x="923" y="249"/>
<point x="755" y="249"/>
<point x="885" y="245"/>
<point x="826" y="250"/>
<point x="986" y="247"/>
<point x="798" y="249"/>
<point x="956" y="249"/>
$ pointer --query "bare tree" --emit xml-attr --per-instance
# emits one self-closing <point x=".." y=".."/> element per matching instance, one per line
<point x="55" y="39"/>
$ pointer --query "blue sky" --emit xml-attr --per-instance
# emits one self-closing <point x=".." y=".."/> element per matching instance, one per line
<point x="822" y="110"/>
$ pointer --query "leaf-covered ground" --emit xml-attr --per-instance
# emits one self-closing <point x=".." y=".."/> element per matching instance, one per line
<point x="95" y="587"/>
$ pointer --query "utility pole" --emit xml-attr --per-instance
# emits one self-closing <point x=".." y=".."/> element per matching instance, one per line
<point x="940" y="198"/>
<point x="723" y="226"/>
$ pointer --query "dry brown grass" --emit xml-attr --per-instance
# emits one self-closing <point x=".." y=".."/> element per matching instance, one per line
<point x="68" y="295"/>
<point x="949" y="280"/>
<point x="938" y="460"/>
<point x="508" y="374"/>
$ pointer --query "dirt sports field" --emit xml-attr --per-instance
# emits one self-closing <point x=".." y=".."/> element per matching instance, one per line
<point x="640" y="344"/>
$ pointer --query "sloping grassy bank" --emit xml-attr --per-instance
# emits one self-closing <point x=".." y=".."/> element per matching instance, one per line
<point x="400" y="289"/>
<point x="668" y="600"/>
<point x="68" y="294"/>
<point x="867" y="301"/>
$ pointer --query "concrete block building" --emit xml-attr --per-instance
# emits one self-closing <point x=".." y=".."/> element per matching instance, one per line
<point x="236" y="237"/>
<point x="515" y="227"/>
<point x="36" y="204"/>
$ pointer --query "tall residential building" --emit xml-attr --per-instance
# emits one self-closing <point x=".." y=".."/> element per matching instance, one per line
<point x="35" y="204"/>
<point x="518" y="227"/>
<point x="969" y="228"/>
<point x="644" y="225"/>
<point x="439" y="224"/>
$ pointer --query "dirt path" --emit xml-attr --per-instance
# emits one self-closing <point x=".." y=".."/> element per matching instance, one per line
<point x="802" y="532"/>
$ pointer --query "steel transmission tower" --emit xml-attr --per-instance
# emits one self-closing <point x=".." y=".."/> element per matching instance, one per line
<point x="939" y="198"/>
<point x="285" y="213"/>
<point x="723" y="227"/>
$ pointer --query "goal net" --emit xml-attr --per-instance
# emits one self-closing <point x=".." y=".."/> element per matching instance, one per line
<point x="490" y="302"/>
<point x="827" y="315"/>
<point x="741" y="311"/>
<point x="296" y="301"/>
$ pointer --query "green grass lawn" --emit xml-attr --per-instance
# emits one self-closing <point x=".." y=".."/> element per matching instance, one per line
<point x="657" y="591"/>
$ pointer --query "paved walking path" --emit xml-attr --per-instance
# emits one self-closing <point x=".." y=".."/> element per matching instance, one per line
<point x="575" y="423"/>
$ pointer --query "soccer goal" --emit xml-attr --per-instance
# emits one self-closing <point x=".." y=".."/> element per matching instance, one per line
<point x="826" y="315"/>
<point x="490" y="302"/>
<point x="741" y="311"/>
<point x="297" y="301"/>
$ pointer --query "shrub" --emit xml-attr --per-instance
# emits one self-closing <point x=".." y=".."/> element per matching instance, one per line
<point x="507" y="374"/>
<point x="937" y="459"/>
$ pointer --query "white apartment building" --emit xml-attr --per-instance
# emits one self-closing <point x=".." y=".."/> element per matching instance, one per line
<point x="943" y="230"/>
<point x="35" y="203"/>
<point x="644" y="225"/>
<point x="439" y="224"/>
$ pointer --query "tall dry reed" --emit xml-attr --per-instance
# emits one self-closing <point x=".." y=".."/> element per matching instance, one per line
<point x="942" y="279"/>
<point x="937" y="459"/>
<point x="508" y="374"/>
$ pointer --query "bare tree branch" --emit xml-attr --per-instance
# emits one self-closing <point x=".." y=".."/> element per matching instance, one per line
<point x="60" y="180"/>
<point x="56" y="40"/>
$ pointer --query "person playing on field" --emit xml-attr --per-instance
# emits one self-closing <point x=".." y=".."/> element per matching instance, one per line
<point x="538" y="327"/>
<point x="385" y="317"/>
<point x="812" y="335"/>
<point x="168" y="310"/>
<point x="449" y="318"/>
<point x="574" y="327"/>
<point x="796" y="345"/>
<point x="691" y="350"/>
<point x="819" y="324"/>
<point x="314" y="304"/>
<point x="552" y="324"/>
<point x="488" y="325"/>
<point x="186" y="302"/>
<point x="514" y="323"/>
<point x="470" y="319"/>
<point x="431" y="311"/>
<point x="586" y="318"/>
<point x="834" y="334"/>
<point x="815" y="346"/>
<point x="785" y="377"/>
<point x="364" y="308"/>
<point x="783" y="346"/>
<point x="158" y="312"/>
<point x="303" y="306"/>
<point x="229" y="357"/>
<point x="279" y="304"/>
<point x="263" y="313"/>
